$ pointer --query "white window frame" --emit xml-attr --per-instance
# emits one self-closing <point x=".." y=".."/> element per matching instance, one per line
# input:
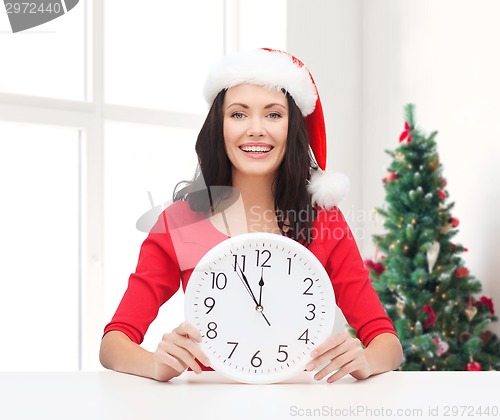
<point x="90" y="116"/>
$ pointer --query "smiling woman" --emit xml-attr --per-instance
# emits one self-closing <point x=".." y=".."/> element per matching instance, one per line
<point x="262" y="141"/>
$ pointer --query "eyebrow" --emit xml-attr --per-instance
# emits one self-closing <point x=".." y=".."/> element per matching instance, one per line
<point x="246" y="106"/>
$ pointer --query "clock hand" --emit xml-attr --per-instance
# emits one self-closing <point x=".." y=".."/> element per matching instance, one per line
<point x="261" y="283"/>
<point x="245" y="282"/>
<point x="244" y="279"/>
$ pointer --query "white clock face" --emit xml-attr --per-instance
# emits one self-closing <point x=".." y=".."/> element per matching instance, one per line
<point x="262" y="302"/>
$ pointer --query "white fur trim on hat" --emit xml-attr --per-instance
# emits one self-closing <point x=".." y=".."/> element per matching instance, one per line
<point x="264" y="68"/>
<point x="327" y="188"/>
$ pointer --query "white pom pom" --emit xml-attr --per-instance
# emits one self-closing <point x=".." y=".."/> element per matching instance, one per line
<point x="327" y="188"/>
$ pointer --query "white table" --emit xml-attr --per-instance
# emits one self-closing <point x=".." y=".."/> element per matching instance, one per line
<point x="111" y="395"/>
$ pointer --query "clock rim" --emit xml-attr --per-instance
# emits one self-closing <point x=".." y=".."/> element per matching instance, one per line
<point x="215" y="253"/>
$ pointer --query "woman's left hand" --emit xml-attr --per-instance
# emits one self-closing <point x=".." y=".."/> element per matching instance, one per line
<point x="344" y="354"/>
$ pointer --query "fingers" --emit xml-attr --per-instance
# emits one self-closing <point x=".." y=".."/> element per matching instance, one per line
<point x="163" y="357"/>
<point x="341" y="353"/>
<point x="341" y="366"/>
<point x="331" y="348"/>
<point x="179" y="353"/>
<point x="330" y="343"/>
<point x="188" y="330"/>
<point x="340" y="373"/>
<point x="179" y="349"/>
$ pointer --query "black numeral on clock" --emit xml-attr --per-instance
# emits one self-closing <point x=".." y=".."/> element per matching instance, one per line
<point x="256" y="361"/>
<point x="209" y="303"/>
<point x="211" y="333"/>
<point x="237" y="264"/>
<point x="311" y="311"/>
<point x="219" y="281"/>
<point x="307" y="292"/>
<point x="283" y="352"/>
<point x="263" y="257"/>
<point x="235" y="344"/>
<point x="305" y="336"/>
<point x="289" y="265"/>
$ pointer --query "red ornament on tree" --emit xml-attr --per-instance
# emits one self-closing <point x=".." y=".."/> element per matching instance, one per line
<point x="454" y="222"/>
<point x="378" y="267"/>
<point x="461" y="272"/>
<point x="431" y="316"/>
<point x="406" y="134"/>
<point x="442" y="346"/>
<point x="391" y="176"/>
<point x="473" y="366"/>
<point x="486" y="301"/>
<point x="462" y="248"/>
<point x="441" y="194"/>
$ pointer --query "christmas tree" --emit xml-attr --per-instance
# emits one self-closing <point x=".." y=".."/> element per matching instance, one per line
<point x="420" y="276"/>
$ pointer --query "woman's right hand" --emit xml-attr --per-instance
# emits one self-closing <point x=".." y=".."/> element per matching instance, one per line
<point x="178" y="351"/>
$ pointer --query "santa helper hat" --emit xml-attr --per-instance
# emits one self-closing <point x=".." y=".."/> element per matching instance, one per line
<point x="274" y="68"/>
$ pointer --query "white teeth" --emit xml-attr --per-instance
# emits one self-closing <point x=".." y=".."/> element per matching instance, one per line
<point x="255" y="148"/>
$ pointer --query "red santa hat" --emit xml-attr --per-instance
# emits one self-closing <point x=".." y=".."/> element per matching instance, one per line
<point x="274" y="68"/>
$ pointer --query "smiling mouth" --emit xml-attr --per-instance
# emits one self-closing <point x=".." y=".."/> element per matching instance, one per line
<point x="256" y="149"/>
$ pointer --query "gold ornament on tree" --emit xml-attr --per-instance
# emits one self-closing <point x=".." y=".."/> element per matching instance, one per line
<point x="400" y="305"/>
<point x="400" y="157"/>
<point x="446" y="228"/>
<point x="432" y="255"/>
<point x="434" y="163"/>
<point x="470" y="312"/>
<point x="452" y="223"/>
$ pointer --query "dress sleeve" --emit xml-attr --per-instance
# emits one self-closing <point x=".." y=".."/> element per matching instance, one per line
<point x="155" y="280"/>
<point x="354" y="292"/>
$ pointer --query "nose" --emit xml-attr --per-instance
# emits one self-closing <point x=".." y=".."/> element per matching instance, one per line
<point x="256" y="128"/>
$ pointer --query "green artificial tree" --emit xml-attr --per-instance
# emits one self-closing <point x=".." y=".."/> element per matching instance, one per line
<point x="420" y="276"/>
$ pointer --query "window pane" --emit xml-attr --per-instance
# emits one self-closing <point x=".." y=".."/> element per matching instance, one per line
<point x="47" y="60"/>
<point x="138" y="159"/>
<point x="158" y="53"/>
<point x="39" y="247"/>
<point x="273" y="21"/>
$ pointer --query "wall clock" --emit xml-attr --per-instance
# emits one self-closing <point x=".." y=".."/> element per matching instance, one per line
<point x="261" y="302"/>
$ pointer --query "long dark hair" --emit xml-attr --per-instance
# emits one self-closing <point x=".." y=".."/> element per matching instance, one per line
<point x="292" y="201"/>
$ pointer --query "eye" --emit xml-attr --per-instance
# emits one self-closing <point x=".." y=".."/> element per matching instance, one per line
<point x="274" y="115"/>
<point x="237" y="115"/>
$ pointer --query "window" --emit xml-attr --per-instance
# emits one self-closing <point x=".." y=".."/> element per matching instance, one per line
<point x="157" y="53"/>
<point x="92" y="106"/>
<point x="49" y="60"/>
<point x="40" y="247"/>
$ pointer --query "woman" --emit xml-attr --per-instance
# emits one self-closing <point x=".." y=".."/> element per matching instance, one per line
<point x="264" y="141"/>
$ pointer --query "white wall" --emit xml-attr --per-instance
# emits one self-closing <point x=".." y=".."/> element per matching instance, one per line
<point x="442" y="55"/>
<point x="370" y="58"/>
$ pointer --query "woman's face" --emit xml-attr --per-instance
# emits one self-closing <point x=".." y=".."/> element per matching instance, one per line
<point x="255" y="129"/>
